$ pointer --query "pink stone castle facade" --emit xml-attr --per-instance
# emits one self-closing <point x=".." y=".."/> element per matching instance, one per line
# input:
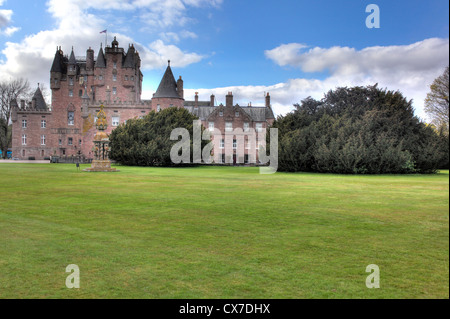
<point x="113" y="79"/>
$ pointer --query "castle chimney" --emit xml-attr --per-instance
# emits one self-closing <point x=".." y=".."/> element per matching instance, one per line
<point x="89" y="59"/>
<point x="196" y="100"/>
<point x="229" y="99"/>
<point x="22" y="104"/>
<point x="268" y="100"/>
<point x="180" y="89"/>
<point x="212" y="101"/>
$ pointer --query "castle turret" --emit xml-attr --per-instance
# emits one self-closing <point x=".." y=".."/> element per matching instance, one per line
<point x="57" y="70"/>
<point x="167" y="94"/>
<point x="72" y="65"/>
<point x="101" y="62"/>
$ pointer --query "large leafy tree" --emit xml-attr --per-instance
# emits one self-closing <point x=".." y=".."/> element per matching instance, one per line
<point x="437" y="102"/>
<point x="10" y="92"/>
<point x="359" y="130"/>
<point x="146" y="142"/>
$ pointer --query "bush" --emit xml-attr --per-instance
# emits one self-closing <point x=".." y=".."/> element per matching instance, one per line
<point x="146" y="142"/>
<point x="361" y="130"/>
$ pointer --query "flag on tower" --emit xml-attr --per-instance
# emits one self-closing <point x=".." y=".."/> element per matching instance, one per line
<point x="104" y="31"/>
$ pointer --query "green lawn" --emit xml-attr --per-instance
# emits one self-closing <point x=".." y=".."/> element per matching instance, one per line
<point x="211" y="232"/>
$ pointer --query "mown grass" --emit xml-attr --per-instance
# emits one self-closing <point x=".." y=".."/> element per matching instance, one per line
<point x="211" y="232"/>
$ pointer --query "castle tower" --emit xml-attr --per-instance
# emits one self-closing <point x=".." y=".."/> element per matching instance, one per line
<point x="168" y="93"/>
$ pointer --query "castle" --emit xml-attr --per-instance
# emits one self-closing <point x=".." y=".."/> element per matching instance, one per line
<point x="79" y="86"/>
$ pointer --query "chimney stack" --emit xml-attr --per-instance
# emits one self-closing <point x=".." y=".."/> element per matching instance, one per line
<point x="212" y="101"/>
<point x="180" y="89"/>
<point x="229" y="99"/>
<point x="89" y="59"/>
<point x="196" y="100"/>
<point x="268" y="100"/>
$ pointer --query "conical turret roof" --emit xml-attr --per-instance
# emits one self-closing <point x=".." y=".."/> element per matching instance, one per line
<point x="168" y="86"/>
<point x="39" y="100"/>
<point x="72" y="59"/>
<point x="57" y="62"/>
<point x="100" y="63"/>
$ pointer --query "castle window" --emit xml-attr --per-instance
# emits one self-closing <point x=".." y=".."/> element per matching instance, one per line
<point x="79" y="142"/>
<point x="236" y="114"/>
<point x="100" y="77"/>
<point x="24" y="123"/>
<point x="114" y="91"/>
<point x="24" y="139"/>
<point x="80" y="93"/>
<point x="60" y="141"/>
<point x="70" y="81"/>
<point x="71" y="118"/>
<point x="114" y="77"/>
<point x="115" y="65"/>
<point x="132" y="78"/>
<point x="70" y="141"/>
<point x="115" y="121"/>
<point x="228" y="126"/>
<point x="85" y="78"/>
<point x="234" y="144"/>
<point x="259" y="127"/>
<point x="71" y="93"/>
<point x="220" y="113"/>
<point x="211" y="126"/>
<point x="42" y="139"/>
<point x="43" y="123"/>
<point x="158" y="108"/>
<point x="246" y="127"/>
<point x="222" y="144"/>
<point x="126" y="77"/>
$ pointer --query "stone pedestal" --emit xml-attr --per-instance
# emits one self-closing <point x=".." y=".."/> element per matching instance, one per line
<point x="101" y="166"/>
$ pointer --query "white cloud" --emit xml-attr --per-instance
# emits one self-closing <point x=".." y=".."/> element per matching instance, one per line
<point x="157" y="54"/>
<point x="10" y="31"/>
<point x="177" y="37"/>
<point x="407" y="68"/>
<point x="76" y="25"/>
<point x="5" y="17"/>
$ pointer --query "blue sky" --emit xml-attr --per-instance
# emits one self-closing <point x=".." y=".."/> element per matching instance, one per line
<point x="290" y="48"/>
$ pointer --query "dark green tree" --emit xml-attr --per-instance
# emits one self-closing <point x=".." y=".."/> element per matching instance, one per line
<point x="146" y="142"/>
<point x="359" y="130"/>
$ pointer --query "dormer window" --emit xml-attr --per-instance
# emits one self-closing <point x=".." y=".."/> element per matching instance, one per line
<point x="236" y="114"/>
<point x="221" y="113"/>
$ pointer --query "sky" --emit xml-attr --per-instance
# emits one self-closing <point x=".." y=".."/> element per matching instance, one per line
<point x="290" y="48"/>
